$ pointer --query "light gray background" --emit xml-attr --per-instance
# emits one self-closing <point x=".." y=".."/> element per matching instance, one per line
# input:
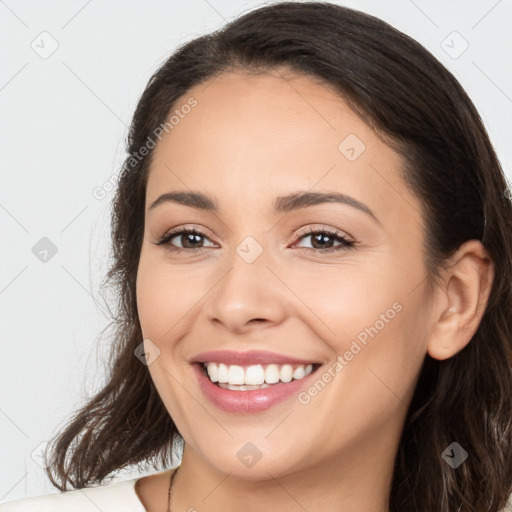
<point x="64" y="121"/>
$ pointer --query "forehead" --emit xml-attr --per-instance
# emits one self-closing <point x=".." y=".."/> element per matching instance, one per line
<point x="250" y="138"/>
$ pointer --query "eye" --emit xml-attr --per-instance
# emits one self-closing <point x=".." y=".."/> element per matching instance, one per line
<point x="323" y="239"/>
<point x="188" y="237"/>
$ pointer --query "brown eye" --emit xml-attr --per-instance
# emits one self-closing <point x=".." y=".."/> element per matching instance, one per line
<point x="189" y="239"/>
<point x="323" y="240"/>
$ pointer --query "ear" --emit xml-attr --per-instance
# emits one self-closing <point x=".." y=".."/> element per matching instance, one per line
<point x="464" y="297"/>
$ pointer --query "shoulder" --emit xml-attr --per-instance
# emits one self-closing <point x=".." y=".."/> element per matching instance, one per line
<point x="113" y="497"/>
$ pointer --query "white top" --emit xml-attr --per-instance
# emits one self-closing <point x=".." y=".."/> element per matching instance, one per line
<point x="113" y="497"/>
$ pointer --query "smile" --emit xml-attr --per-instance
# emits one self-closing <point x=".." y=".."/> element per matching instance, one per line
<point x="246" y="378"/>
<point x="251" y="398"/>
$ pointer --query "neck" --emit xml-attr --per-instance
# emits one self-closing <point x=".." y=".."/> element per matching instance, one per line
<point x="354" y="481"/>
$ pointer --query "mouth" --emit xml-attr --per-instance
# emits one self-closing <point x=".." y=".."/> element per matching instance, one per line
<point x="251" y="381"/>
<point x="254" y="377"/>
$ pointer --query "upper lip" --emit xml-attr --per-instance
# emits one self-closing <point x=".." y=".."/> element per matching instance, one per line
<point x="247" y="358"/>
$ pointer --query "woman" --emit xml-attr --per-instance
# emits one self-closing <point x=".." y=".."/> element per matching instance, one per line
<point x="312" y="240"/>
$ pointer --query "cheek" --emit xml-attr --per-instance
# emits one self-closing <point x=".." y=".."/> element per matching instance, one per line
<point x="347" y="301"/>
<point x="156" y="299"/>
<point x="386" y="354"/>
<point x="372" y="320"/>
<point x="166" y="297"/>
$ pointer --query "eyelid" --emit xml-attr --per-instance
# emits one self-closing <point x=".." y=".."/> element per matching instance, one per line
<point x="190" y="227"/>
<point x="313" y="228"/>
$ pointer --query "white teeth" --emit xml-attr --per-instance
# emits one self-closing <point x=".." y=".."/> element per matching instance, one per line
<point x="235" y="374"/>
<point x="242" y="388"/>
<point x="254" y="375"/>
<point x="257" y="376"/>
<point x="286" y="373"/>
<point x="222" y="374"/>
<point x="213" y="372"/>
<point x="272" y="374"/>
<point x="298" y="372"/>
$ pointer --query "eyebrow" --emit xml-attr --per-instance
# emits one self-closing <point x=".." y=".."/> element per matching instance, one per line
<point x="283" y="204"/>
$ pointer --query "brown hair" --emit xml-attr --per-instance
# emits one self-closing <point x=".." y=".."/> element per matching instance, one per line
<point x="397" y="87"/>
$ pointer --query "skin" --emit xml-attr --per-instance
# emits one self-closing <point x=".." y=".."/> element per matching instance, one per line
<point x="249" y="140"/>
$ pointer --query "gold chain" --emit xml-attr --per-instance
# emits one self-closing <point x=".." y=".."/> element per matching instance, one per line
<point x="169" y="493"/>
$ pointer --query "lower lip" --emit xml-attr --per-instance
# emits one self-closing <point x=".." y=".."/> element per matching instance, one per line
<point x="248" y="401"/>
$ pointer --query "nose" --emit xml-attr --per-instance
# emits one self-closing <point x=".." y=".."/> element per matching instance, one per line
<point x="248" y="296"/>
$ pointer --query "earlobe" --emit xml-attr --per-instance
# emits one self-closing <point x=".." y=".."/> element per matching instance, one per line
<point x="466" y="293"/>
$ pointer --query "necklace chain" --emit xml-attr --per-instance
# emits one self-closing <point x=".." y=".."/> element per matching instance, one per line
<point x="169" y="492"/>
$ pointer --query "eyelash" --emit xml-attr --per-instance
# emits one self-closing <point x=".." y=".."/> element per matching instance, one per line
<point x="345" y="242"/>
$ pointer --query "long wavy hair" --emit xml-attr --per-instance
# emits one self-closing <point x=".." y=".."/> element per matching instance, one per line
<point x="421" y="111"/>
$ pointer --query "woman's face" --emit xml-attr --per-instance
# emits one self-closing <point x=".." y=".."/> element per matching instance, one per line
<point x="256" y="277"/>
